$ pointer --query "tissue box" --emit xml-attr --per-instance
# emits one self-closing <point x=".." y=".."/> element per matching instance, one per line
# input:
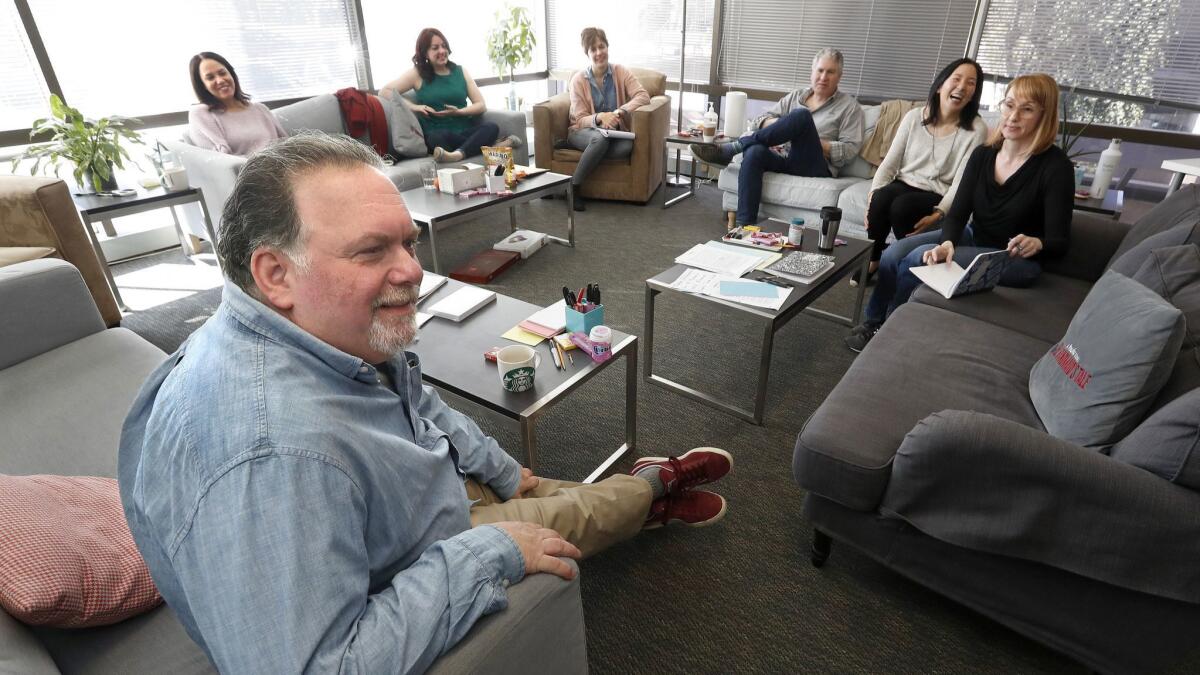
<point x="525" y="242"/>
<point x="456" y="180"/>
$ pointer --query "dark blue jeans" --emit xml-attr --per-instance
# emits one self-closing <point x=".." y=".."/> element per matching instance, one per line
<point x="896" y="283"/>
<point x="469" y="142"/>
<point x="804" y="159"/>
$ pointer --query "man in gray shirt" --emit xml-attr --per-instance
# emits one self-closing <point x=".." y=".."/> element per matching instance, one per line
<point x="819" y="128"/>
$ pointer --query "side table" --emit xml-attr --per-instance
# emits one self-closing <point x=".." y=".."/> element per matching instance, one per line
<point x="1112" y="204"/>
<point x="93" y="208"/>
<point x="680" y="142"/>
<point x="1181" y="167"/>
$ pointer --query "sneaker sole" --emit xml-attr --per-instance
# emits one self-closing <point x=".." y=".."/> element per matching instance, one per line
<point x="704" y="523"/>
<point x="648" y="460"/>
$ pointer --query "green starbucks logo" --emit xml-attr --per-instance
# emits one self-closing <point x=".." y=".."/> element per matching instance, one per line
<point x="519" y="379"/>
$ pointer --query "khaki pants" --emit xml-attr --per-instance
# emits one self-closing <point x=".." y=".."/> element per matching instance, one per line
<point x="593" y="517"/>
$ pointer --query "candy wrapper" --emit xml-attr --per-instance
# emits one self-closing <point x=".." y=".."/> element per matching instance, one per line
<point x="493" y="156"/>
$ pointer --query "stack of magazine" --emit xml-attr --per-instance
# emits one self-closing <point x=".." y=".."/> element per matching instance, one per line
<point x="801" y="266"/>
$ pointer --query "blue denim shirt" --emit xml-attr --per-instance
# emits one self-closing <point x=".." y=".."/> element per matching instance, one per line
<point x="300" y="515"/>
<point x="604" y="94"/>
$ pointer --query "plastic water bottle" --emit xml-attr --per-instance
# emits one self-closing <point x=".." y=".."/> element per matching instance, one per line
<point x="1106" y="168"/>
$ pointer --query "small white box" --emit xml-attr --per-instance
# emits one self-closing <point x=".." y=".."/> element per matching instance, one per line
<point x="525" y="242"/>
<point x="496" y="184"/>
<point x="455" y="180"/>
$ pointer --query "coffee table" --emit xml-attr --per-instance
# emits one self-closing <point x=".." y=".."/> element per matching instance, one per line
<point x="437" y="210"/>
<point x="452" y="359"/>
<point x="855" y="255"/>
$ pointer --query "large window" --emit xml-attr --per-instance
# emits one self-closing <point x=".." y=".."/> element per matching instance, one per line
<point x="131" y="58"/>
<point x="892" y="49"/>
<point x="1144" y="49"/>
<point x="24" y="96"/>
<point x="642" y="33"/>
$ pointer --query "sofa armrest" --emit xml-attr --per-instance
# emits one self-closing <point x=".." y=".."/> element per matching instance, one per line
<point x="511" y="123"/>
<point x="46" y="305"/>
<point x="1094" y="240"/>
<point x="993" y="485"/>
<point x="542" y="625"/>
<point x="650" y="124"/>
<point x="550" y="121"/>
<point x="211" y="171"/>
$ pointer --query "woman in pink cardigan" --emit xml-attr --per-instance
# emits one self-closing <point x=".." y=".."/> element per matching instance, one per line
<point x="603" y="96"/>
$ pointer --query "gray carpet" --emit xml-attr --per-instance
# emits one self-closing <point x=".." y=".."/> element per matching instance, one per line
<point x="739" y="596"/>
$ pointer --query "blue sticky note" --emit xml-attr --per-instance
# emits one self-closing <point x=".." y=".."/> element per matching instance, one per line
<point x="755" y="289"/>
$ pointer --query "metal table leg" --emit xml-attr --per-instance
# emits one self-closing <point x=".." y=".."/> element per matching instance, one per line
<point x="512" y="219"/>
<point x="631" y="378"/>
<point x="432" y="227"/>
<point x="529" y="442"/>
<point x="112" y="284"/>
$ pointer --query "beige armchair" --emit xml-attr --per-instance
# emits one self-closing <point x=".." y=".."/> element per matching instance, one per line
<point x="634" y="179"/>
<point x="39" y="220"/>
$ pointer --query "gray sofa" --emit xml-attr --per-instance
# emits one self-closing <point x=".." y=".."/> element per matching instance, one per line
<point x="66" y="383"/>
<point x="929" y="456"/>
<point x="214" y="172"/>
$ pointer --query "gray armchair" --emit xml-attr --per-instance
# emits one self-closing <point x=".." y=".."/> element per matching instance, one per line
<point x="65" y="365"/>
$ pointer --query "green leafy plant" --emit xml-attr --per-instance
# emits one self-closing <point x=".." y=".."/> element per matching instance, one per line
<point x="510" y="44"/>
<point x="1067" y="140"/>
<point x="92" y="146"/>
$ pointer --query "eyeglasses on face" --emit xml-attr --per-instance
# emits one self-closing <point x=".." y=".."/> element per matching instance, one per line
<point x="1009" y="107"/>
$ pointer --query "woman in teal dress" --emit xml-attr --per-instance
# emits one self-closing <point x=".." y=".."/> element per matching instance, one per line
<point x="448" y="103"/>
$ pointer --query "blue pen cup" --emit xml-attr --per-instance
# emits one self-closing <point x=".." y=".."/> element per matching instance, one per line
<point x="581" y="322"/>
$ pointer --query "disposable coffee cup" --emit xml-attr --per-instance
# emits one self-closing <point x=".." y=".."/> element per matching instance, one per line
<point x="517" y="365"/>
<point x="831" y="219"/>
<point x="708" y="133"/>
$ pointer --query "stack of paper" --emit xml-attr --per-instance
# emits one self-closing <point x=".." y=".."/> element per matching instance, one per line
<point x="745" y="291"/>
<point x="548" y="321"/>
<point x="729" y="263"/>
<point x="430" y="283"/>
<point x="462" y="303"/>
<point x="765" y="256"/>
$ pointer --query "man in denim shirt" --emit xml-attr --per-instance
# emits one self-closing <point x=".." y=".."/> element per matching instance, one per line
<point x="300" y="498"/>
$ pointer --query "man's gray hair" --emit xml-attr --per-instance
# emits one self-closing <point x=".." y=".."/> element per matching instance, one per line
<point x="261" y="211"/>
<point x="829" y="53"/>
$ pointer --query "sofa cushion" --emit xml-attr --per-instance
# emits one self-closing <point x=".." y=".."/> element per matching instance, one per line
<point x="154" y="642"/>
<point x="1129" y="262"/>
<point x="1043" y="311"/>
<point x="1099" y="380"/>
<point x="1183" y="206"/>
<point x="20" y="650"/>
<point x="853" y="202"/>
<point x="11" y="255"/>
<point x="407" y="139"/>
<point x="845" y="450"/>
<point x="1174" y="273"/>
<point x="1167" y="443"/>
<point x="797" y="191"/>
<point x="67" y="557"/>
<point x="318" y="113"/>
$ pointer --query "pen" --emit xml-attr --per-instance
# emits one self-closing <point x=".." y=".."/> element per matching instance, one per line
<point x="562" y="356"/>
<point x="554" y="357"/>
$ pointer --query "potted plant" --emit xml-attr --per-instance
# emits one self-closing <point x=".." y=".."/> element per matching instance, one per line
<point x="92" y="146"/>
<point x="510" y="45"/>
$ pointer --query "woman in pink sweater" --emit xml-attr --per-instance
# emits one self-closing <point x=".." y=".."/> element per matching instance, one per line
<point x="603" y="96"/>
<point x="226" y="120"/>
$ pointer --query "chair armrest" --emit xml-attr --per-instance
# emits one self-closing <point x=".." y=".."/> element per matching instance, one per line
<point x="542" y="625"/>
<point x="211" y="171"/>
<point x="993" y="485"/>
<point x="550" y="121"/>
<point x="46" y="305"/>
<point x="650" y="124"/>
<point x="511" y="123"/>
<point x="1094" y="240"/>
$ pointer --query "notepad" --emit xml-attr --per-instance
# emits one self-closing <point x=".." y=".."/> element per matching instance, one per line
<point x="462" y="303"/>
<point x="548" y="321"/>
<point x="952" y="280"/>
<point x="756" y="289"/>
<point x="430" y="283"/>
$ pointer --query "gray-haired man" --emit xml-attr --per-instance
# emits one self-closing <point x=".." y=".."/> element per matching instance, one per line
<point x="820" y="127"/>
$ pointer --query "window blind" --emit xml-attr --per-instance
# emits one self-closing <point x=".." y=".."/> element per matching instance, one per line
<point x="891" y="49"/>
<point x="1148" y="48"/>
<point x="132" y="58"/>
<point x="24" y="96"/>
<point x="641" y="33"/>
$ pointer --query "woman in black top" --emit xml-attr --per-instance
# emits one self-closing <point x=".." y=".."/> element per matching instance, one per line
<point x="1015" y="195"/>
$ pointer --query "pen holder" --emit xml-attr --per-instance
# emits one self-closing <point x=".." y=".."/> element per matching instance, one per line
<point x="584" y="322"/>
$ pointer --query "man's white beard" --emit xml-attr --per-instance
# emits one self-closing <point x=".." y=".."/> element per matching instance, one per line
<point x="390" y="339"/>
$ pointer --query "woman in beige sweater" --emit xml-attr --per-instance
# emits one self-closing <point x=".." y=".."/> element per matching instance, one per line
<point x="603" y="97"/>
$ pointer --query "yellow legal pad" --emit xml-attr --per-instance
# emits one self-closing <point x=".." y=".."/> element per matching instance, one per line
<point x="518" y="334"/>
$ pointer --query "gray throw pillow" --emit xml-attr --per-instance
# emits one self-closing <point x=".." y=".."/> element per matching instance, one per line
<point x="21" y="651"/>
<point x="1174" y="273"/>
<point x="1095" y="385"/>
<point x="407" y="138"/>
<point x="1133" y="259"/>
<point x="317" y="113"/>
<point x="1181" y="207"/>
<point x="1167" y="444"/>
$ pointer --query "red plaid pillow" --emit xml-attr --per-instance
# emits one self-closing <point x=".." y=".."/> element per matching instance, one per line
<point x="67" y="558"/>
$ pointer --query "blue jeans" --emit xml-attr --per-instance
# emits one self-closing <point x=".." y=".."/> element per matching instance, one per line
<point x="468" y="142"/>
<point x="896" y="283"/>
<point x="804" y="159"/>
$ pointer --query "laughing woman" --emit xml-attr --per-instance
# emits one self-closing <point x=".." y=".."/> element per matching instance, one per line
<point x="1014" y="195"/>
<point x="226" y="120"/>
<point x="916" y="183"/>
<point x="448" y="102"/>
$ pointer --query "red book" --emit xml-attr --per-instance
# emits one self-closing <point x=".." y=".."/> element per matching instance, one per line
<point x="485" y="266"/>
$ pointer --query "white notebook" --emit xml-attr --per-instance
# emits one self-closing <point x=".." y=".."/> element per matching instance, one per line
<point x="462" y="303"/>
<point x="430" y="282"/>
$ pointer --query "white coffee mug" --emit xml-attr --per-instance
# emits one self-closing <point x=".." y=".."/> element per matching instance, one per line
<point x="517" y="365"/>
<point x="175" y="178"/>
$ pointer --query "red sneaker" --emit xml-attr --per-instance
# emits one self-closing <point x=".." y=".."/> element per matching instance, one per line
<point x="692" y="468"/>
<point x="695" y="508"/>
